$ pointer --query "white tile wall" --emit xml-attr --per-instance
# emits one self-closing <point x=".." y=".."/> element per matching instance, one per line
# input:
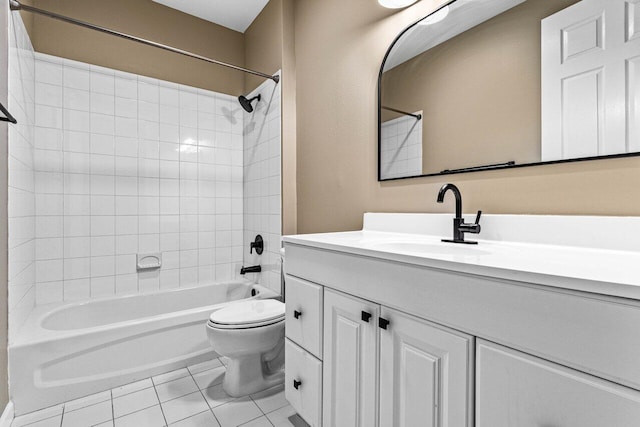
<point x="22" y="203"/>
<point x="262" y="187"/>
<point x="401" y="147"/>
<point x="126" y="164"/>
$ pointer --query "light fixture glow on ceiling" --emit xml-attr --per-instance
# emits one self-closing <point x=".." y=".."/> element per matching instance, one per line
<point x="435" y="17"/>
<point x="396" y="4"/>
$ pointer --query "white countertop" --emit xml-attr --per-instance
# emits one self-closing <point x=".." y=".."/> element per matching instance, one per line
<point x="604" y="271"/>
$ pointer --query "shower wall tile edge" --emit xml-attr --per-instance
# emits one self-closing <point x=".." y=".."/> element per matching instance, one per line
<point x="21" y="191"/>
<point x="262" y="181"/>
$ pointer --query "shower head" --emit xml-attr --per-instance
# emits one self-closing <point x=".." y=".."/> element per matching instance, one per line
<point x="246" y="103"/>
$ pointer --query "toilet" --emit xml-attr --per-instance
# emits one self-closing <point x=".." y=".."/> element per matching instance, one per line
<point x="251" y="335"/>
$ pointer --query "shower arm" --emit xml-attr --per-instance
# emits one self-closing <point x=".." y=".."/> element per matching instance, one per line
<point x="16" y="5"/>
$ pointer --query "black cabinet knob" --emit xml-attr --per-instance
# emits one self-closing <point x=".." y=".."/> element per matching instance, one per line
<point x="297" y="314"/>
<point x="366" y="316"/>
<point x="297" y="384"/>
<point x="383" y="323"/>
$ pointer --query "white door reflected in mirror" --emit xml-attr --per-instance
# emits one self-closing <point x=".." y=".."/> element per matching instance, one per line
<point x="590" y="76"/>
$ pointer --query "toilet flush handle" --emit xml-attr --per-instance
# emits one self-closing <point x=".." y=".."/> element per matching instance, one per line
<point x="297" y="384"/>
<point x="297" y="314"/>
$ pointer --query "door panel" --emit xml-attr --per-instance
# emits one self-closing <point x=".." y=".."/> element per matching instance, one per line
<point x="350" y="361"/>
<point x="303" y="383"/>
<point x="426" y="374"/>
<point x="515" y="389"/>
<point x="586" y="109"/>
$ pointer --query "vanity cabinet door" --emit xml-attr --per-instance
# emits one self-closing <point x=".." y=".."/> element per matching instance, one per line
<point x="516" y="389"/>
<point x="426" y="373"/>
<point x="350" y="361"/>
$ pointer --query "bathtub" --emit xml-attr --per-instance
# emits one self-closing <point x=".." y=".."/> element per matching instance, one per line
<point x="68" y="351"/>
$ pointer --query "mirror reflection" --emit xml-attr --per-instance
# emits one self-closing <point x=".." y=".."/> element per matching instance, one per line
<point x="485" y="84"/>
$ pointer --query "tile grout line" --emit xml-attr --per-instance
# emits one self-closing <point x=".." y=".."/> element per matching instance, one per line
<point x="62" y="417"/>
<point x="261" y="410"/>
<point x="113" y="414"/>
<point x="202" y="393"/>
<point x="159" y="404"/>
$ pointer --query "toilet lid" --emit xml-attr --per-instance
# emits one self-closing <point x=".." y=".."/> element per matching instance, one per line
<point x="249" y="312"/>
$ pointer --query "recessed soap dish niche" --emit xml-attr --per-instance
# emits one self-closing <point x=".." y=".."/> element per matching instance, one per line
<point x="150" y="261"/>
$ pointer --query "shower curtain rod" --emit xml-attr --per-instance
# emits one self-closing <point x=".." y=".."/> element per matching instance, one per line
<point x="16" y="5"/>
<point x="416" y="116"/>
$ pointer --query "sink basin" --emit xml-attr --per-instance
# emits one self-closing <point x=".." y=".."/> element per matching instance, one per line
<point x="428" y="248"/>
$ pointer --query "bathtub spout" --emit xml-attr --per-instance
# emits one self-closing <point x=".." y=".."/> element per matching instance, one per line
<point x="252" y="269"/>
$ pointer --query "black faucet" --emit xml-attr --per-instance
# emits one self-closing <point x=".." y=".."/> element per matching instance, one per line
<point x="459" y="226"/>
<point x="252" y="269"/>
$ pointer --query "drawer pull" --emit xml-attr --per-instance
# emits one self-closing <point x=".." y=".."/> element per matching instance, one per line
<point x="383" y="323"/>
<point x="297" y="384"/>
<point x="366" y="316"/>
<point x="297" y="314"/>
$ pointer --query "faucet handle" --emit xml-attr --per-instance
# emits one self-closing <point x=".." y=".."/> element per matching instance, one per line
<point x="471" y="228"/>
<point x="478" y="217"/>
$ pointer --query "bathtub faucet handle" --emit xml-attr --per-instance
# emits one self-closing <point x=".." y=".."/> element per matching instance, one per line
<point x="257" y="244"/>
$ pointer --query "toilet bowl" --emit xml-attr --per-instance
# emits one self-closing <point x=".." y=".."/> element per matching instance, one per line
<point x="251" y="335"/>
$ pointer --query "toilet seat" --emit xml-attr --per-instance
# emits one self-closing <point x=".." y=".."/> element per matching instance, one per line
<point x="248" y="314"/>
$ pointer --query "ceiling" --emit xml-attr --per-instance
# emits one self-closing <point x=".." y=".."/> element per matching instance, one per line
<point x="234" y="14"/>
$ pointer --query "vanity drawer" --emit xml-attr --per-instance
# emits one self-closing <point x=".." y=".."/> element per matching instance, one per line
<point x="515" y="389"/>
<point x="304" y="314"/>
<point x="303" y="383"/>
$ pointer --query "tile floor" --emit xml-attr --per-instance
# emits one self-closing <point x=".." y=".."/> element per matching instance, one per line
<point x="188" y="397"/>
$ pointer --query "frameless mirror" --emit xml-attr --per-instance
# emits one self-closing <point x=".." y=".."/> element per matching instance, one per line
<point x="488" y="84"/>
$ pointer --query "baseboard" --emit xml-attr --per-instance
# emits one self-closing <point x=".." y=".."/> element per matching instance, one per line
<point x="7" y="415"/>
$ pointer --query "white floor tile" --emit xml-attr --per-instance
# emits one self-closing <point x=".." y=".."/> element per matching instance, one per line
<point x="49" y="422"/>
<point x="203" y="419"/>
<point x="210" y="378"/>
<point x="87" y="401"/>
<point x="205" y="366"/>
<point x="134" y="402"/>
<point x="150" y="417"/>
<point x="271" y="399"/>
<point x="184" y="407"/>
<point x="258" y="422"/>
<point x="170" y="376"/>
<point x="132" y="387"/>
<point x="237" y="412"/>
<point x="286" y="417"/>
<point x="177" y="388"/>
<point x="88" y="416"/>
<point x="37" y="416"/>
<point x="107" y="424"/>
<point x="216" y="396"/>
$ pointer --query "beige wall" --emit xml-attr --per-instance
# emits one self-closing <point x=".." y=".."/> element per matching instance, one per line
<point x="263" y="44"/>
<point x="149" y="20"/>
<point x="339" y="48"/>
<point x="269" y="47"/>
<point x="4" y="67"/>
<point x="472" y="103"/>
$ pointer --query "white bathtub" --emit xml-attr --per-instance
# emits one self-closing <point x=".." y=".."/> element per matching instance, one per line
<point x="64" y="352"/>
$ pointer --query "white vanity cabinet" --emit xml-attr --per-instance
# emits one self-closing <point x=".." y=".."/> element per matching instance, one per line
<point x="500" y="335"/>
<point x="516" y="389"/>
<point x="384" y="367"/>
